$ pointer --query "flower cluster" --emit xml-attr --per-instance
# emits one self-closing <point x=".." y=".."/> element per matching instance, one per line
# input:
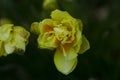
<point x="12" y="39"/>
<point x="63" y="33"/>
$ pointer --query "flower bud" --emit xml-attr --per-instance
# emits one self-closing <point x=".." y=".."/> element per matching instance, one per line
<point x="50" y="4"/>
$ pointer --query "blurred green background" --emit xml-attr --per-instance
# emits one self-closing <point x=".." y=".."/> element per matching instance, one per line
<point x="101" y="20"/>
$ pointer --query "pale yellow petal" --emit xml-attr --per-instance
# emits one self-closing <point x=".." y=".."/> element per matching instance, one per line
<point x="46" y="25"/>
<point x="78" y="34"/>
<point x="5" y="31"/>
<point x="9" y="47"/>
<point x="60" y="15"/>
<point x="19" y="43"/>
<point x="64" y="65"/>
<point x="21" y="31"/>
<point x="77" y="47"/>
<point x="85" y="45"/>
<point x="68" y="51"/>
<point x="20" y="38"/>
<point x="47" y="41"/>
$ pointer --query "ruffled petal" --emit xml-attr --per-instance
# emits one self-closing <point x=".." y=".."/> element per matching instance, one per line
<point x="5" y="31"/>
<point x="78" y="33"/>
<point x="68" y="51"/>
<point x="60" y="15"/>
<point x="46" y="25"/>
<point x="9" y="47"/>
<point x="20" y="38"/>
<point x="85" y="45"/>
<point x="47" y="41"/>
<point x="63" y="64"/>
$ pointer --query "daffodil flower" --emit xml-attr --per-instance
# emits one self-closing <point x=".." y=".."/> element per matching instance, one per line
<point x="63" y="33"/>
<point x="12" y="39"/>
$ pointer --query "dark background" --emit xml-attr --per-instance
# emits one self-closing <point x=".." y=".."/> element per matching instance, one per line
<point x="101" y="20"/>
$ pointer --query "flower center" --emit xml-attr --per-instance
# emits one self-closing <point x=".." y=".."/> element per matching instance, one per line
<point x="63" y="34"/>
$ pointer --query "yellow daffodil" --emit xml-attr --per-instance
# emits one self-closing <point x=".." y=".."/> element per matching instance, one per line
<point x="63" y="33"/>
<point x="12" y="39"/>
